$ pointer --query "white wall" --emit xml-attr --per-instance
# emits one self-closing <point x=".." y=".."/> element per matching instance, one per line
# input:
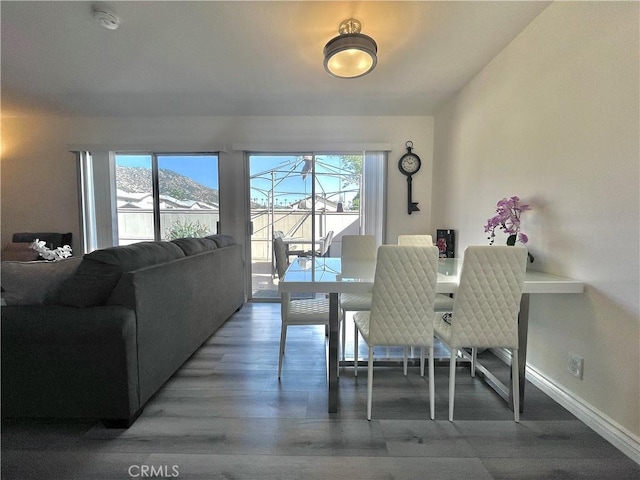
<point x="39" y="173"/>
<point x="554" y="118"/>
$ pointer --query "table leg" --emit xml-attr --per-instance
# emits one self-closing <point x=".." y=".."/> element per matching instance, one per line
<point x="334" y="327"/>
<point x="523" y="330"/>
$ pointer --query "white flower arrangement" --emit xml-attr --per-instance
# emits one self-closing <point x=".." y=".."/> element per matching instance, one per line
<point x="59" y="253"/>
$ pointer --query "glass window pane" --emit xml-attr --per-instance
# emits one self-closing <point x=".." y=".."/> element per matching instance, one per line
<point x="189" y="201"/>
<point x="134" y="198"/>
<point x="280" y="199"/>
<point x="337" y="200"/>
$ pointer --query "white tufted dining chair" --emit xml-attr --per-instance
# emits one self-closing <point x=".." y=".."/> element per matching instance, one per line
<point x="416" y="240"/>
<point x="485" y="309"/>
<point x="355" y="248"/>
<point x="443" y="303"/>
<point x="296" y="312"/>
<point x="404" y="290"/>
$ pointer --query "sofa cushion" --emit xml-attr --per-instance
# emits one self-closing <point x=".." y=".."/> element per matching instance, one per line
<point x="193" y="246"/>
<point x="222" y="240"/>
<point x="101" y="270"/>
<point x="35" y="283"/>
<point x="20" y="252"/>
<point x="137" y="255"/>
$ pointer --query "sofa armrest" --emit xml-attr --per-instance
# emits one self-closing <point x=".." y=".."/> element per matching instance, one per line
<point x="60" y="361"/>
<point x="62" y="325"/>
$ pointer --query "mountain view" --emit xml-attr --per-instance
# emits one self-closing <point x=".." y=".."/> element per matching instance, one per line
<point x="180" y="187"/>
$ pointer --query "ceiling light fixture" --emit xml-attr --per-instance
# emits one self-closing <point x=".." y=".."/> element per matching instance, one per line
<point x="351" y="54"/>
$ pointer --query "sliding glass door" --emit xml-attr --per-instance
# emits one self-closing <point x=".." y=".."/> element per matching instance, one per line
<point x="310" y="200"/>
<point x="134" y="197"/>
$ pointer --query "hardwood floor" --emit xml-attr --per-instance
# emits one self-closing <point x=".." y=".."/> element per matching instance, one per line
<point x="225" y="415"/>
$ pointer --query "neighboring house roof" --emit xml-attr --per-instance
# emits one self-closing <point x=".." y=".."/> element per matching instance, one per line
<point x="144" y="200"/>
<point x="321" y="203"/>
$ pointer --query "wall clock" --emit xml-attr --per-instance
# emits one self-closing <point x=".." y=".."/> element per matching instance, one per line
<point x="409" y="164"/>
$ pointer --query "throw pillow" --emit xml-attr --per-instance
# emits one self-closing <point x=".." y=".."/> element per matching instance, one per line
<point x="35" y="283"/>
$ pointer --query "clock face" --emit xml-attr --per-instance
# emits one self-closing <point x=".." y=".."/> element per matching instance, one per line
<point x="409" y="164"/>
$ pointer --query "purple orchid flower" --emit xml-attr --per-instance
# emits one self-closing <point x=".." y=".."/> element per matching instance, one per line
<point x="507" y="219"/>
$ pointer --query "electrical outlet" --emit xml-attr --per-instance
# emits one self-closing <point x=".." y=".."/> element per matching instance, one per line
<point x="575" y="365"/>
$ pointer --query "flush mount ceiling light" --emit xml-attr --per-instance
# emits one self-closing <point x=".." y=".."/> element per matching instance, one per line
<point x="351" y="54"/>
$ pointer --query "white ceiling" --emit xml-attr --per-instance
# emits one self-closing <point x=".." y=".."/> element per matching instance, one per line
<point x="209" y="58"/>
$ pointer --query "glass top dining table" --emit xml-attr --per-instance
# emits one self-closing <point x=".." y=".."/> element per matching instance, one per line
<point x="333" y="276"/>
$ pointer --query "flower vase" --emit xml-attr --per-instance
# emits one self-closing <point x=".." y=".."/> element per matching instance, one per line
<point x="511" y="241"/>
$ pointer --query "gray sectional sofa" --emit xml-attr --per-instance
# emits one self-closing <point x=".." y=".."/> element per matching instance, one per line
<point x="102" y="341"/>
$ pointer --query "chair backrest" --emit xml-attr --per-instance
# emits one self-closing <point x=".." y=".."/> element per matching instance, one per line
<point x="280" y="252"/>
<point x="325" y="243"/>
<point x="404" y="291"/>
<point x="417" y="240"/>
<point x="358" y="247"/>
<point x="487" y="302"/>
<point x="282" y="262"/>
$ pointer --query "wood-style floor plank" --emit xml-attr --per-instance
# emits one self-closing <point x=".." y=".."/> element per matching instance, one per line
<point x="225" y="415"/>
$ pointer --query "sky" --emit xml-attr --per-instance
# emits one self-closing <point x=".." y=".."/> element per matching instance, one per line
<point x="290" y="185"/>
<point x="289" y="182"/>
<point x="201" y="168"/>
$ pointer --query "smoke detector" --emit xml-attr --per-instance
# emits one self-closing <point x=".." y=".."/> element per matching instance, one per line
<point x="106" y="18"/>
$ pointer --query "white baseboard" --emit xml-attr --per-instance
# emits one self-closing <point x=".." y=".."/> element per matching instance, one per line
<point x="620" y="437"/>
